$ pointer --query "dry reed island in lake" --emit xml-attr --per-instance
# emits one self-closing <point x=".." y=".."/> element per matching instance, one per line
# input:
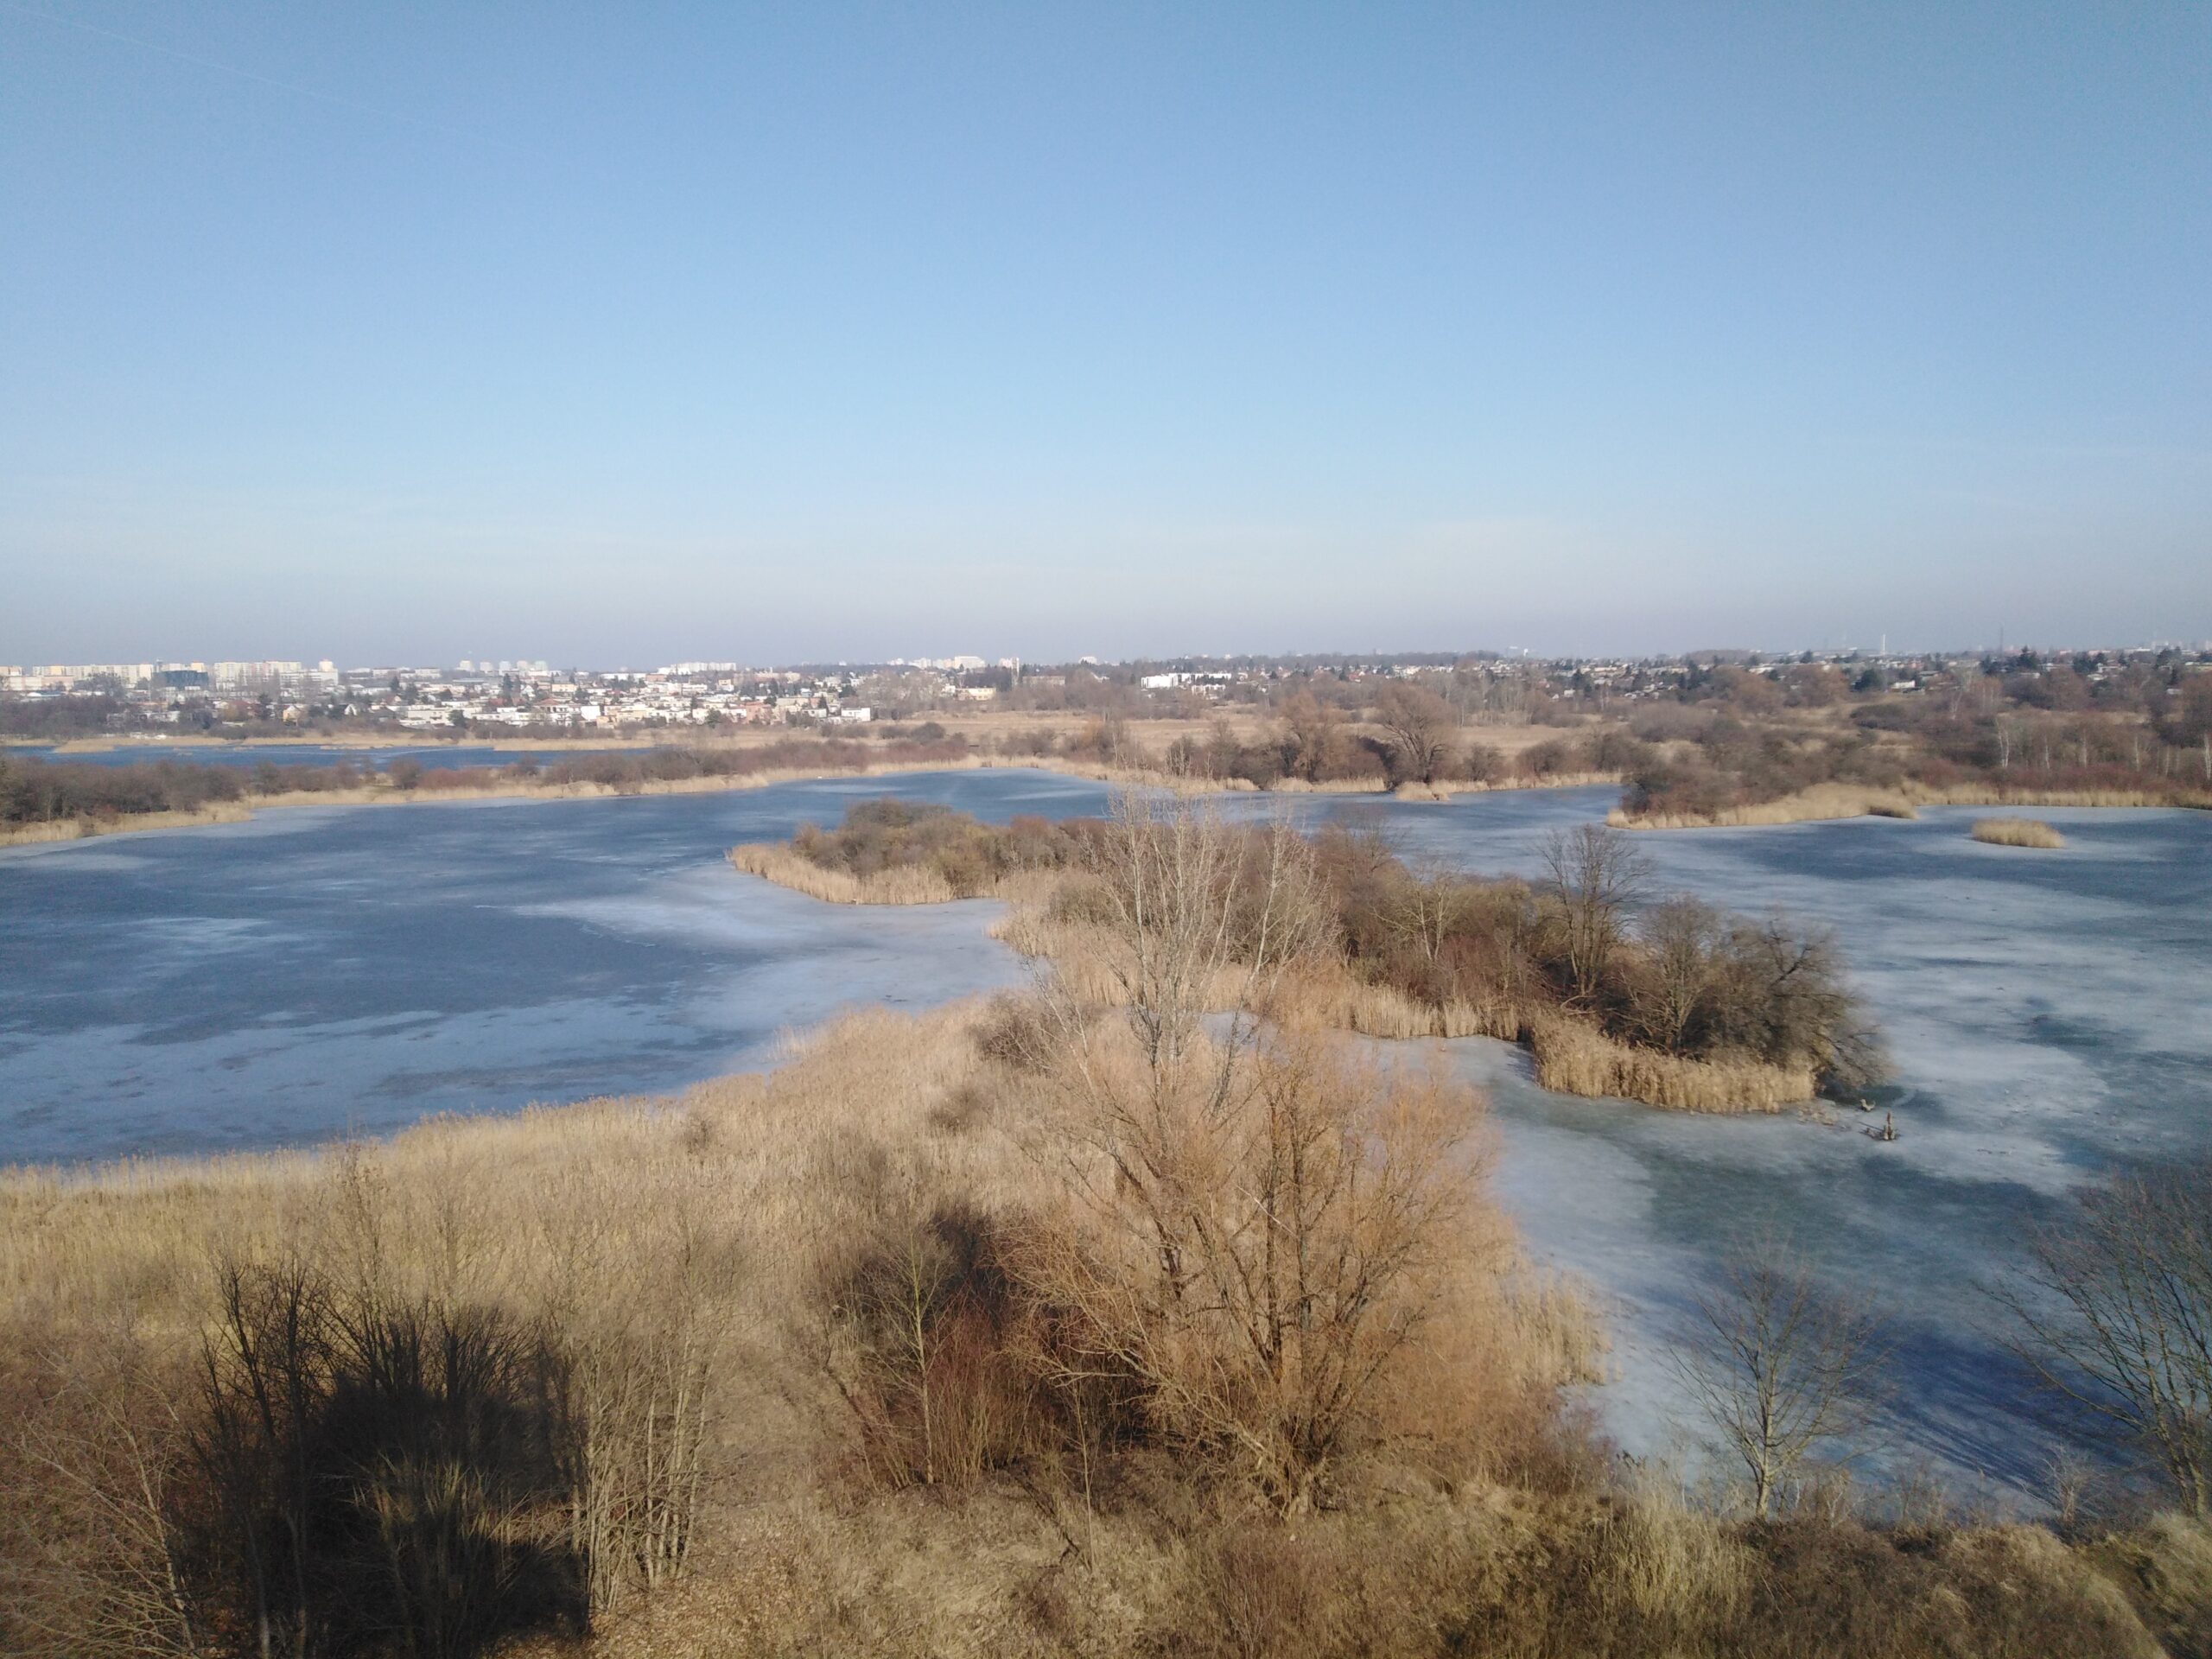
<point x="1094" y="1321"/>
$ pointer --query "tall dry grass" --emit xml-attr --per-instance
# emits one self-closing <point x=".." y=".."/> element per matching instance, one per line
<point x="663" y="1257"/>
<point x="79" y="828"/>
<point x="1328" y="996"/>
<point x="1828" y="801"/>
<point x="905" y="884"/>
<point x="1822" y="802"/>
<point x="2017" y="832"/>
<point x="1574" y="1059"/>
<point x="1480" y="1520"/>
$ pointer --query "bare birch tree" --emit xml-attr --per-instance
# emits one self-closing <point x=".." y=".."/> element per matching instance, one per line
<point x="1779" y="1364"/>
<point x="1203" y="915"/>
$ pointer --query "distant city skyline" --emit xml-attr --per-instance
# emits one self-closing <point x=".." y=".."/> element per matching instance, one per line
<point x="802" y="333"/>
<point x="328" y="668"/>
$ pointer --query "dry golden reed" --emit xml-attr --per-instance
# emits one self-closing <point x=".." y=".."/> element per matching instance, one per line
<point x="2017" y="832"/>
<point x="1826" y="801"/>
<point x="905" y="884"/>
<point x="1574" y="1059"/>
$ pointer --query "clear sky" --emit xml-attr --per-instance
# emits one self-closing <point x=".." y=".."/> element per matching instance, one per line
<point x="628" y="333"/>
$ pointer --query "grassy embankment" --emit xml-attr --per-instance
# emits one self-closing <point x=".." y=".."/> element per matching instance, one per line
<point x="765" y="1467"/>
<point x="1402" y="956"/>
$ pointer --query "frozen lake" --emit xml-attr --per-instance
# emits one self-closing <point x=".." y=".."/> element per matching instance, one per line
<point x="322" y="971"/>
<point x="329" y="970"/>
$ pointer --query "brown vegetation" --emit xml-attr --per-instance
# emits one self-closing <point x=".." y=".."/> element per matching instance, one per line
<point x="1755" y="762"/>
<point x="2017" y="832"/>
<point x="878" y="1353"/>
<point x="1675" y="1006"/>
<point x="49" y="801"/>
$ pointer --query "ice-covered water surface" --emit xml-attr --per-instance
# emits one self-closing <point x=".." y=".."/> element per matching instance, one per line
<point x="2051" y="1019"/>
<point x="319" y="970"/>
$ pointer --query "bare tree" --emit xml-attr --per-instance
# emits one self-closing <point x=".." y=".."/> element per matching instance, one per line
<point x="1249" y="1231"/>
<point x="2117" y="1318"/>
<point x="1420" y="726"/>
<point x="1594" y="875"/>
<point x="1314" y="733"/>
<point x="1779" y="1364"/>
<point x="1682" y="939"/>
<point x="1205" y="915"/>
<point x="1423" y="909"/>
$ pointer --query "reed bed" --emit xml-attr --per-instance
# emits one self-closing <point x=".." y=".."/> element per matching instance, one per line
<point x="1333" y="998"/>
<point x="1822" y="803"/>
<point x="30" y="835"/>
<point x="905" y="884"/>
<point x="2017" y="832"/>
<point x="1575" y="1058"/>
<point x="1828" y="801"/>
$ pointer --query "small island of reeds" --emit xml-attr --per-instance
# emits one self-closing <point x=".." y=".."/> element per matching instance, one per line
<point x="2017" y="832"/>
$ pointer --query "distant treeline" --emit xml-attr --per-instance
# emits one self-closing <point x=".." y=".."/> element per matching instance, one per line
<point x="43" y="791"/>
<point x="1699" y="762"/>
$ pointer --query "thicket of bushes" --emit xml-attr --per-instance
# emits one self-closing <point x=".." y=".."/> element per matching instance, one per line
<point x="39" y="791"/>
<point x="1702" y="763"/>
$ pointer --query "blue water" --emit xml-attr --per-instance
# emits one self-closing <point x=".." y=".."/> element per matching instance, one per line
<point x="321" y="971"/>
<point x="327" y="971"/>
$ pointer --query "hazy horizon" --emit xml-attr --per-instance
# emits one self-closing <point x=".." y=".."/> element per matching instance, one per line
<point x="850" y="334"/>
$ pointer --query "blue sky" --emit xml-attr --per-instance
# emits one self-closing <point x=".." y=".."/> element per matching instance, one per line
<point x="623" y="333"/>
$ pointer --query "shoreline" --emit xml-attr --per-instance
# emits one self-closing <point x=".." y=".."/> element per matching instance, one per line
<point x="57" y="831"/>
<point x="1835" y="803"/>
<point x="223" y="812"/>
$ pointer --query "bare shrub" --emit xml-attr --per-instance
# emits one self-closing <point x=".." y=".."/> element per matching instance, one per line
<point x="1780" y="1364"/>
<point x="925" y="1351"/>
<point x="94" y="1552"/>
<point x="372" y="1470"/>
<point x="1254" y="1237"/>
<point x="2117" y="1320"/>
